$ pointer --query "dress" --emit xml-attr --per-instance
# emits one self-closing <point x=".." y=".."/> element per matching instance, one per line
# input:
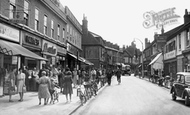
<point x="43" y="90"/>
<point x="21" y="82"/>
<point x="68" y="85"/>
<point x="75" y="78"/>
<point x="11" y="89"/>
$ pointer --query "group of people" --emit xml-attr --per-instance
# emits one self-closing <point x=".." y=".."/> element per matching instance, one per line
<point x="49" y="79"/>
<point x="16" y="84"/>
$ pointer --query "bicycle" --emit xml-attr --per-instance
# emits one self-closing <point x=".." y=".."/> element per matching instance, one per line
<point x="82" y="96"/>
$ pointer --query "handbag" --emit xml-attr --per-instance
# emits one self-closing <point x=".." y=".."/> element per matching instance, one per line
<point x="24" y="89"/>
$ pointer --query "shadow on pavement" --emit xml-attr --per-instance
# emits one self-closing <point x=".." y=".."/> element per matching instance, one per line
<point x="182" y="102"/>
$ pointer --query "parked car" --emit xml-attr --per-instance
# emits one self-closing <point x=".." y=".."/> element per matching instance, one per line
<point x="181" y="87"/>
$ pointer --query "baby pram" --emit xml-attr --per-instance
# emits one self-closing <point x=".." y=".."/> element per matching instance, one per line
<point x="54" y="91"/>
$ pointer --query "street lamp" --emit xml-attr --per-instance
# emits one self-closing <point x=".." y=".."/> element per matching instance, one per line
<point x="142" y="56"/>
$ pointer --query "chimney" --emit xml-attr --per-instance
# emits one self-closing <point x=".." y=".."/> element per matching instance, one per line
<point x="146" y="42"/>
<point x="85" y="25"/>
<point x="186" y="17"/>
<point x="162" y="30"/>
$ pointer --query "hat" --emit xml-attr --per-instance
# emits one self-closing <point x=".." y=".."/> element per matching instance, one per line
<point x="43" y="72"/>
<point x="68" y="73"/>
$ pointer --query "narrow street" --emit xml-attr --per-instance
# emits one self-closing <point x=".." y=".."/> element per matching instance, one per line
<point x="134" y="96"/>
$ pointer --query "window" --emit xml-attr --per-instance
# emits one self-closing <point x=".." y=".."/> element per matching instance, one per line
<point x="26" y="12"/>
<point x="36" y="26"/>
<point x="45" y="24"/>
<point x="58" y="32"/>
<point x="12" y="11"/>
<point x="63" y="33"/>
<point x="52" y="29"/>
<point x="179" y="41"/>
<point x="187" y="37"/>
<point x="182" y="79"/>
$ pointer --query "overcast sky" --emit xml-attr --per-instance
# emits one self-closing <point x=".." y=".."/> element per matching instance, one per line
<point x="120" y="21"/>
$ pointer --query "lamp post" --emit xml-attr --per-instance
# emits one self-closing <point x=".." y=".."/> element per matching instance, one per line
<point x="142" y="56"/>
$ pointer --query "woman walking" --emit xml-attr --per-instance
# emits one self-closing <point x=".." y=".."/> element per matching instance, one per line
<point x="21" y="83"/>
<point x="12" y="85"/>
<point x="75" y="77"/>
<point x="68" y="90"/>
<point x="43" y="90"/>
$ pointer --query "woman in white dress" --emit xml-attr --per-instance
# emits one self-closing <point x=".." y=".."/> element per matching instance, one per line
<point x="20" y="83"/>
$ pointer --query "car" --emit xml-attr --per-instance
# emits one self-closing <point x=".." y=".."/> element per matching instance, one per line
<point x="181" y="87"/>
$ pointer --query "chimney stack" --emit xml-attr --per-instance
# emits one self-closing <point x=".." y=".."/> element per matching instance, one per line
<point x="186" y="17"/>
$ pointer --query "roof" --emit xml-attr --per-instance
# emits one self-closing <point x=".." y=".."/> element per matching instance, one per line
<point x="184" y="73"/>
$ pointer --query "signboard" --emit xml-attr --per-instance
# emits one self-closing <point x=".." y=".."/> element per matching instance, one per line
<point x="9" y="33"/>
<point x="159" y="19"/>
<point x="170" y="55"/>
<point x="49" y="48"/>
<point x="31" y="40"/>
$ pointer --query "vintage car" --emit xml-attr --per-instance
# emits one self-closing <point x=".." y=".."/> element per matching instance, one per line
<point x="181" y="87"/>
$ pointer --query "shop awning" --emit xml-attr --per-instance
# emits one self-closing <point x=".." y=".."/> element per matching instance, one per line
<point x="9" y="48"/>
<point x="86" y="61"/>
<point x="157" y="62"/>
<point x="155" y="59"/>
<point x="72" y="55"/>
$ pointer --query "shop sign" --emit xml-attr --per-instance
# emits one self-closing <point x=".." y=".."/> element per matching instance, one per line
<point x="31" y="40"/>
<point x="61" y="50"/>
<point x="170" y="55"/>
<point x="49" y="48"/>
<point x="71" y="49"/>
<point x="9" y="33"/>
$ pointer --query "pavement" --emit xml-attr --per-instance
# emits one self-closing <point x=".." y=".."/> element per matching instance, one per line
<point x="30" y="106"/>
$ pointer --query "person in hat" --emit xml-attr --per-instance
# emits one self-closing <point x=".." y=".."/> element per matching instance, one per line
<point x="43" y="90"/>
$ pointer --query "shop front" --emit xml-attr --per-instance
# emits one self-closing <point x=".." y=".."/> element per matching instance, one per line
<point x="10" y="54"/>
<point x="61" y="54"/>
<point x="73" y="60"/>
<point x="170" y="64"/>
<point x="32" y="43"/>
<point x="49" y="51"/>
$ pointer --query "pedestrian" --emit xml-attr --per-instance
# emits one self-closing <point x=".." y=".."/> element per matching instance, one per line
<point x="118" y="74"/>
<point x="68" y="90"/>
<point x="21" y="83"/>
<point x="12" y="86"/>
<point x="75" y="77"/>
<point x="35" y="77"/>
<point x="43" y="90"/>
<point x="109" y="76"/>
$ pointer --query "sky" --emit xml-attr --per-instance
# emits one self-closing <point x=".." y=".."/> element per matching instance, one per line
<point x="121" y="21"/>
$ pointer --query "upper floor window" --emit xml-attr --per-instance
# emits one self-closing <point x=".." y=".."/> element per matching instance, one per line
<point x="63" y="33"/>
<point x="52" y="29"/>
<point x="58" y="32"/>
<point x="179" y="41"/>
<point x="45" y="24"/>
<point x="36" y="26"/>
<point x="12" y="11"/>
<point x="26" y="15"/>
<point x="187" y="37"/>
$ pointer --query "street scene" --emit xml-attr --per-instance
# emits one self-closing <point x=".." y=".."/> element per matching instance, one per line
<point x="134" y="96"/>
<point x="94" y="57"/>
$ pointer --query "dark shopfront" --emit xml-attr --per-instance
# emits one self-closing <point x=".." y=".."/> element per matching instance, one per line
<point x="73" y="60"/>
<point x="170" y="68"/>
<point x="61" y="54"/>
